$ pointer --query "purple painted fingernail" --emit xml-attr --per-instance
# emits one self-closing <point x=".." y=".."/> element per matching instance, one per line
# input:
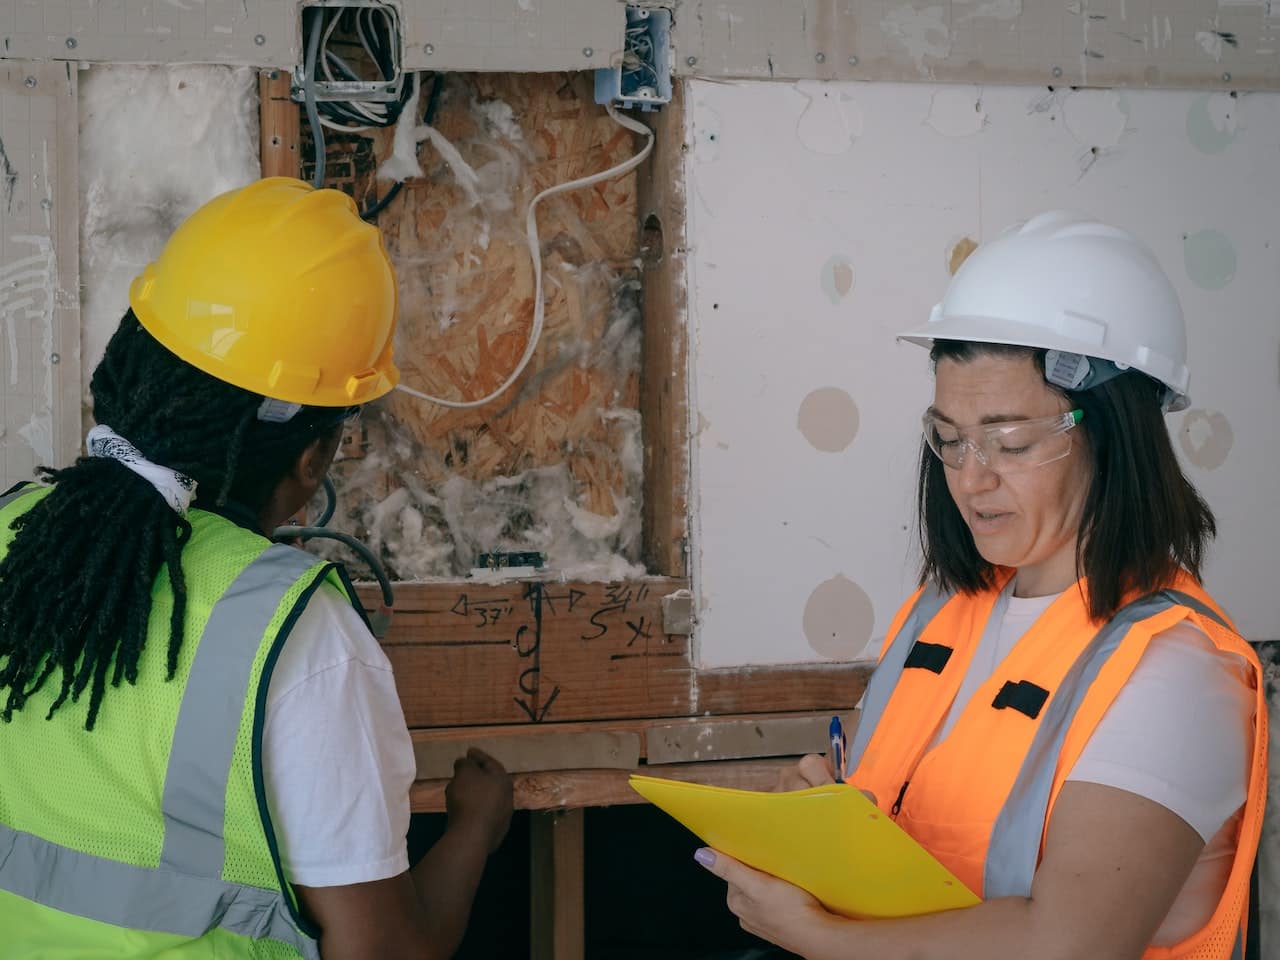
<point x="704" y="856"/>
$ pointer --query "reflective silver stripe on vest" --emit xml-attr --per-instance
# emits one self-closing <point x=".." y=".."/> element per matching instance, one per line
<point x="185" y="895"/>
<point x="22" y="492"/>
<point x="885" y="677"/>
<point x="1014" y="850"/>
<point x="195" y="785"/>
<point x="141" y="898"/>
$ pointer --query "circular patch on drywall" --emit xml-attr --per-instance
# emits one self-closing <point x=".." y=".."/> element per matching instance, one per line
<point x="1206" y="438"/>
<point x="1213" y="122"/>
<point x="836" y="278"/>
<point x="838" y="619"/>
<point x="828" y="419"/>
<point x="959" y="253"/>
<point x="1210" y="258"/>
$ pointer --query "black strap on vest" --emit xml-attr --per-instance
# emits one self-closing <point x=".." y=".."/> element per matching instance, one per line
<point x="928" y="656"/>
<point x="1023" y="696"/>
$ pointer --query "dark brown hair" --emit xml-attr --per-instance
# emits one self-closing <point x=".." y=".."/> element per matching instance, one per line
<point x="1143" y="519"/>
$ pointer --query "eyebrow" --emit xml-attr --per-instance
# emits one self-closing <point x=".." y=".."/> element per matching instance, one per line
<point x="992" y="418"/>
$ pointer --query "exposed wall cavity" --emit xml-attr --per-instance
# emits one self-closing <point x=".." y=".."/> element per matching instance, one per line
<point x="555" y="465"/>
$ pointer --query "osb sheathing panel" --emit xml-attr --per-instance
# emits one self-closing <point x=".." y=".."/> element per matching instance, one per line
<point x="1123" y="43"/>
<point x="467" y="290"/>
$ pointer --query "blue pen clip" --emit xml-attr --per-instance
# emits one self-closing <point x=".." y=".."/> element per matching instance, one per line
<point x="838" y="747"/>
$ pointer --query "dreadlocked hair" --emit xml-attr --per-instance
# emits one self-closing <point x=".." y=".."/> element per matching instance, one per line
<point x="76" y="582"/>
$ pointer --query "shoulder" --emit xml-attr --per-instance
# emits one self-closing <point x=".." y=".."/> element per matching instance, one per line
<point x="328" y="634"/>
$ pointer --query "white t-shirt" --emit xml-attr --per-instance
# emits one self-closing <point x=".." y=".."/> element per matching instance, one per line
<point x="1178" y="733"/>
<point x="336" y="755"/>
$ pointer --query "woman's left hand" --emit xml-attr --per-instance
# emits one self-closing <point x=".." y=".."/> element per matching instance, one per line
<point x="766" y="906"/>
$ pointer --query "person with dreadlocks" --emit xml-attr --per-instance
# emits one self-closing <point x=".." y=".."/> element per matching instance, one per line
<point x="203" y="753"/>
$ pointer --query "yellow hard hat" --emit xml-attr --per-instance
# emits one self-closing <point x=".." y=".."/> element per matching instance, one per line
<point x="280" y="289"/>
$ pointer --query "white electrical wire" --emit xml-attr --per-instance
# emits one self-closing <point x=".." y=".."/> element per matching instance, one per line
<point x="535" y="252"/>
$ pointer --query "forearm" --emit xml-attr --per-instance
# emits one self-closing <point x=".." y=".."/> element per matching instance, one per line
<point x="1007" y="927"/>
<point x="446" y="880"/>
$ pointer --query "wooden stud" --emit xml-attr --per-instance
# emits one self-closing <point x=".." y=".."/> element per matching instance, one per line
<point x="664" y="405"/>
<point x="556" y="889"/>
<point x="281" y="125"/>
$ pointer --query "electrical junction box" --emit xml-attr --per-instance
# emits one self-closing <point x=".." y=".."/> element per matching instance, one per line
<point x="643" y="77"/>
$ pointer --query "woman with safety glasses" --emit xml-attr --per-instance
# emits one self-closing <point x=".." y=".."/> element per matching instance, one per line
<point x="1061" y="714"/>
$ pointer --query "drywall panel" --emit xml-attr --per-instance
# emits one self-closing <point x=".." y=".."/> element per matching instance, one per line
<point x="534" y="35"/>
<point x="823" y="219"/>
<point x="1129" y="43"/>
<point x="39" y="275"/>
<point x="152" y="31"/>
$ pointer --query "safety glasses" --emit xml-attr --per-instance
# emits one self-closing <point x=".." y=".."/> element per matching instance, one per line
<point x="1007" y="447"/>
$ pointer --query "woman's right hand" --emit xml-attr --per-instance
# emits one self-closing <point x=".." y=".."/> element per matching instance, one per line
<point x="812" y="771"/>
<point x="479" y="797"/>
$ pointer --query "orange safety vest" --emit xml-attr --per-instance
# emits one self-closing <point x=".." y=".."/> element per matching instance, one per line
<point x="981" y="800"/>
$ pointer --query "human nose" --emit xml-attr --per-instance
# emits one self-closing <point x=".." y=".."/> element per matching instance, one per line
<point x="973" y="473"/>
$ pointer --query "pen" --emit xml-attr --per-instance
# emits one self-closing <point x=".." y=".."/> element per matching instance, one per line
<point x="838" y="745"/>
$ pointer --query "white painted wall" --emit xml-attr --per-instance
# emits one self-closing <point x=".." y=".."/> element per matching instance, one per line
<point x="821" y="221"/>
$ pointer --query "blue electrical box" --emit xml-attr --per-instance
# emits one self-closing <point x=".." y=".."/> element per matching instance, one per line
<point x="643" y="78"/>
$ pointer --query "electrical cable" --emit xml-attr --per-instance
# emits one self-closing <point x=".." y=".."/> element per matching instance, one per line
<point x="433" y="103"/>
<point x="330" y="503"/>
<point x="535" y="253"/>
<point x="309" y="93"/>
<point x="311" y="533"/>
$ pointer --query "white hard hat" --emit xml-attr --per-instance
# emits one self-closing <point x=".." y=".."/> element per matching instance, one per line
<point x="1074" y="286"/>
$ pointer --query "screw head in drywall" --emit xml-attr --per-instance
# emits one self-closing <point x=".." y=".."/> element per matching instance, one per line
<point x="260" y="39"/>
<point x="691" y="61"/>
<point x="46" y="204"/>
<point x="588" y="52"/>
<point x="71" y="43"/>
<point x="820" y="57"/>
<point x="853" y="61"/>
<point x="30" y="82"/>
<point x="1226" y="78"/>
<point x="1057" y="71"/>
<point x="428" y="48"/>
<point x="54" y="358"/>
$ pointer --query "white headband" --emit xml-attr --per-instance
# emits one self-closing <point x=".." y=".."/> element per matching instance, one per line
<point x="177" y="489"/>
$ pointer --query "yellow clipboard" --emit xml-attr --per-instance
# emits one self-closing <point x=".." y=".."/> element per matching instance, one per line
<point x="831" y="841"/>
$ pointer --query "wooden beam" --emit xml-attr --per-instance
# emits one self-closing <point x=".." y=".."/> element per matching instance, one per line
<point x="622" y="744"/>
<point x="664" y="404"/>
<point x="533" y="749"/>
<point x="733" y="738"/>
<point x="569" y="789"/>
<point x="281" y="125"/>
<point x="528" y="652"/>
<point x="470" y="654"/>
<point x="556" y="914"/>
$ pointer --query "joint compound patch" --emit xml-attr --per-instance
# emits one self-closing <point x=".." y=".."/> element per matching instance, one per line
<point x="1206" y="438"/>
<point x="828" y="419"/>
<point x="838" y="619"/>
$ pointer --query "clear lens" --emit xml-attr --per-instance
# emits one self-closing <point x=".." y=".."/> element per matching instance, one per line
<point x="1002" y="447"/>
